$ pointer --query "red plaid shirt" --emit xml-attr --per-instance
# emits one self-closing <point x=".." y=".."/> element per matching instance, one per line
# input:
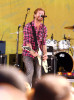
<point x="28" y="37"/>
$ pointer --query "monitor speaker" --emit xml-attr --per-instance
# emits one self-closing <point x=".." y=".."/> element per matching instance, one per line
<point x="52" y="64"/>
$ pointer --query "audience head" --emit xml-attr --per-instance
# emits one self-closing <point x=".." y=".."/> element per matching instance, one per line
<point x="52" y="87"/>
<point x="12" y="84"/>
<point x="9" y="92"/>
<point x="12" y="76"/>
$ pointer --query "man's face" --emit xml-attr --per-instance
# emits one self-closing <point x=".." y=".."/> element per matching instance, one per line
<point x="38" y="14"/>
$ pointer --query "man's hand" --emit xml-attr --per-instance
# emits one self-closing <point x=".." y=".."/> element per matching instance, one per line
<point x="32" y="52"/>
<point x="44" y="57"/>
<point x="29" y="45"/>
<point x="35" y="54"/>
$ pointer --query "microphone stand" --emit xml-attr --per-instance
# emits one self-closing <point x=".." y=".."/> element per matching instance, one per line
<point x="25" y="17"/>
<point x="25" y="21"/>
<point x="42" y="46"/>
<point x="52" y="36"/>
<point x="17" y="65"/>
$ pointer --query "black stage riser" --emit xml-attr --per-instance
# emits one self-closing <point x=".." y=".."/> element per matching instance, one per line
<point x="3" y="59"/>
<point x="12" y="60"/>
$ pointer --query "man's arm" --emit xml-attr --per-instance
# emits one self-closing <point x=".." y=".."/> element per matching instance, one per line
<point x="45" y="52"/>
<point x="44" y="44"/>
<point x="27" y="39"/>
<point x="32" y="52"/>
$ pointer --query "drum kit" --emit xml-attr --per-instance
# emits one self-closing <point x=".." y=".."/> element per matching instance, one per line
<point x="61" y="52"/>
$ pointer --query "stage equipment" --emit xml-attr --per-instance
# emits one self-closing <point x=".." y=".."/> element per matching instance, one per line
<point x="2" y="47"/>
<point x="52" y="60"/>
<point x="64" y="62"/>
<point x="28" y="9"/>
<point x="52" y="43"/>
<point x="64" y="44"/>
<point x="52" y="64"/>
<point x="69" y="27"/>
<point x="3" y="59"/>
<point x="12" y="60"/>
<point x="17" y="65"/>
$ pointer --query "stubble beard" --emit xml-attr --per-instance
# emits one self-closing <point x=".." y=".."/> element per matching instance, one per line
<point x="39" y="20"/>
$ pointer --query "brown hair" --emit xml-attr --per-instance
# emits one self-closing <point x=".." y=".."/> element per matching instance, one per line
<point x="49" y="86"/>
<point x="38" y="9"/>
<point x="12" y="76"/>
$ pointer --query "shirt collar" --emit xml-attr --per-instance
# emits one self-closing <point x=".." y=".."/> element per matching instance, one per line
<point x="34" y="24"/>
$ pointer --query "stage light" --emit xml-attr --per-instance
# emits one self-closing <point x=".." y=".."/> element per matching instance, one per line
<point x="59" y="73"/>
<point x="69" y="73"/>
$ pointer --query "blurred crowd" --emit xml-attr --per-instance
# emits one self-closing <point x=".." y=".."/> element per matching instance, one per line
<point x="14" y="86"/>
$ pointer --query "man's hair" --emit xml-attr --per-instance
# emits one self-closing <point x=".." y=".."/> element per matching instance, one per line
<point x="52" y="87"/>
<point x="12" y="76"/>
<point x="38" y="9"/>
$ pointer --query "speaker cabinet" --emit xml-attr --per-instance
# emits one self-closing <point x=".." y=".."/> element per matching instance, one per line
<point x="52" y="64"/>
<point x="12" y="60"/>
<point x="3" y="59"/>
<point x="2" y="47"/>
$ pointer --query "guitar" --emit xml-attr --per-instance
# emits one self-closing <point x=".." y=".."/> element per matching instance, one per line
<point x="44" y="63"/>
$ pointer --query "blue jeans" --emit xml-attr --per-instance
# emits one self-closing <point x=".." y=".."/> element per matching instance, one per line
<point x="33" y="69"/>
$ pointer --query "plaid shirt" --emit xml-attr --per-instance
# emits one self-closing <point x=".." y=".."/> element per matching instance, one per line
<point x="28" y="37"/>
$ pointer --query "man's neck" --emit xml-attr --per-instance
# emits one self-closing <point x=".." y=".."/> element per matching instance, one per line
<point x="37" y="23"/>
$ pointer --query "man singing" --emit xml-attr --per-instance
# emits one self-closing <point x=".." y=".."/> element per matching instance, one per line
<point x="30" y="57"/>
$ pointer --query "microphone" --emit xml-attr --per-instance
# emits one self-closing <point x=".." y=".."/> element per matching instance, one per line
<point x="19" y="26"/>
<point x="43" y="16"/>
<point x="28" y="9"/>
<point x="52" y="36"/>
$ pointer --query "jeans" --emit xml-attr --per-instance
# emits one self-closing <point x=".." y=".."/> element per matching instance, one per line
<point x="33" y="69"/>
